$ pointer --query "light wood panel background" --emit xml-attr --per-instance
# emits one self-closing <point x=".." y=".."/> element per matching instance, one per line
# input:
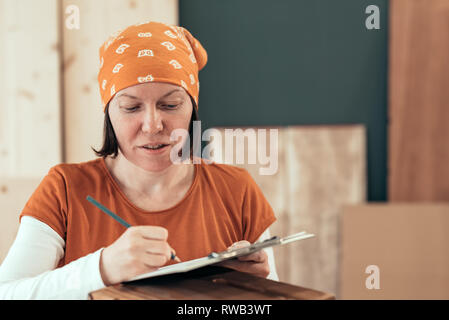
<point x="30" y="139"/>
<point x="418" y="100"/>
<point x="321" y="168"/>
<point x="83" y="116"/>
<point x="14" y="193"/>
<point x="326" y="171"/>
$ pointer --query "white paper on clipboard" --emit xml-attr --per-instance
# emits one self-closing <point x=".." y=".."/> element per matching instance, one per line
<point x="222" y="256"/>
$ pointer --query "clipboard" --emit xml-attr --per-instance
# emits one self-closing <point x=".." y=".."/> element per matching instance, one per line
<point x="216" y="257"/>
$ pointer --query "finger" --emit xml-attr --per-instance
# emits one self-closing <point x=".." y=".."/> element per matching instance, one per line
<point x="152" y="260"/>
<point x="156" y="247"/>
<point x="141" y="269"/>
<point x="146" y="262"/>
<point x="160" y="247"/>
<point x="239" y="244"/>
<point x="174" y="256"/>
<point x="259" y="256"/>
<point x="152" y="232"/>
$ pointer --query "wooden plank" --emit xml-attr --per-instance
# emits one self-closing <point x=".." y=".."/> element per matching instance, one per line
<point x="30" y="140"/>
<point x="273" y="186"/>
<point x="320" y="169"/>
<point x="418" y="95"/>
<point x="83" y="119"/>
<point x="14" y="193"/>
<point x="408" y="244"/>
<point x="326" y="170"/>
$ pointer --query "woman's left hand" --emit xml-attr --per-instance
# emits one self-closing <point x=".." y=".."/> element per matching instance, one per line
<point x="255" y="263"/>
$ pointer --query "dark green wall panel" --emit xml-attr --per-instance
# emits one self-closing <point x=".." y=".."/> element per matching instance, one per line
<point x="295" y="62"/>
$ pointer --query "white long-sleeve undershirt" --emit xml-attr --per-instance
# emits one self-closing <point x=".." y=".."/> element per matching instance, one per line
<point x="29" y="270"/>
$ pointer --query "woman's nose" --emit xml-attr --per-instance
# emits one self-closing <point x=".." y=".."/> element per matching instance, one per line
<point x="152" y="122"/>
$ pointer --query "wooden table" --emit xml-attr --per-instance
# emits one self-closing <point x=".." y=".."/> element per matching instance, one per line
<point x="208" y="283"/>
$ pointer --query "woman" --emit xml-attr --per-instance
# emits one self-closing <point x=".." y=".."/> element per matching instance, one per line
<point x="149" y="86"/>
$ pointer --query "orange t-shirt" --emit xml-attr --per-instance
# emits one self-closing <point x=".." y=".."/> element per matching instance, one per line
<point x="222" y="206"/>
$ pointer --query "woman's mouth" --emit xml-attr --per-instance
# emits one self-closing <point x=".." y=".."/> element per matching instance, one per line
<point x="152" y="149"/>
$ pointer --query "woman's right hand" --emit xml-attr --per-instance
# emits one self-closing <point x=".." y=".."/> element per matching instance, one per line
<point x="139" y="250"/>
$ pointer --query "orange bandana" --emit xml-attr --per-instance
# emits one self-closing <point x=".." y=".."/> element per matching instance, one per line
<point x="150" y="52"/>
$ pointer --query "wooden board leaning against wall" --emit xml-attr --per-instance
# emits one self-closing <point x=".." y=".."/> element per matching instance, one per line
<point x="395" y="251"/>
<point x="320" y="169"/>
<point x="418" y="96"/>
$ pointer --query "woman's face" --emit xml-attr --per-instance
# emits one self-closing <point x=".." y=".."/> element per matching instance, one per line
<point x="145" y="115"/>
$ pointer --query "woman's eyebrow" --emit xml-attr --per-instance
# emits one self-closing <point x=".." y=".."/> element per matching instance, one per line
<point x="169" y="93"/>
<point x="127" y="95"/>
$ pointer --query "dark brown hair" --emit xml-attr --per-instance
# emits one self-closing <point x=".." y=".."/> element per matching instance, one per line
<point x="110" y="144"/>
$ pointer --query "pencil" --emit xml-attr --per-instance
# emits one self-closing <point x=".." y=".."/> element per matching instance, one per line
<point x="120" y="220"/>
<point x="109" y="212"/>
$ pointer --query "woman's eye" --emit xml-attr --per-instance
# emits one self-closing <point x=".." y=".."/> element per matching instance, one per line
<point x="170" y="106"/>
<point x="130" y="109"/>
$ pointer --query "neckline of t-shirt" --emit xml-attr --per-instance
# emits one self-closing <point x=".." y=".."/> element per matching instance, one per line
<point x="114" y="183"/>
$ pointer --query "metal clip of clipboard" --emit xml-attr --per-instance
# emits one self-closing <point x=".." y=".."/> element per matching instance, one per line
<point x="234" y="253"/>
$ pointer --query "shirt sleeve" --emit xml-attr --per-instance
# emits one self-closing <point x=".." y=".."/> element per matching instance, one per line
<point x="28" y="271"/>
<point x="257" y="212"/>
<point x="48" y="203"/>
